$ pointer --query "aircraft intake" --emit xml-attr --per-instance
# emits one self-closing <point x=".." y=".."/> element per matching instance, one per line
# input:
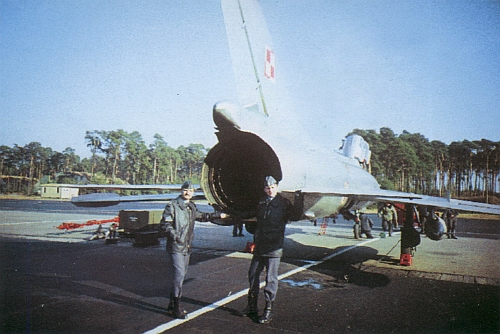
<point x="234" y="171"/>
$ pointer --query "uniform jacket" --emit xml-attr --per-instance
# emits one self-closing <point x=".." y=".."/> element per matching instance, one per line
<point x="178" y="223"/>
<point x="272" y="217"/>
<point x="450" y="215"/>
<point x="388" y="213"/>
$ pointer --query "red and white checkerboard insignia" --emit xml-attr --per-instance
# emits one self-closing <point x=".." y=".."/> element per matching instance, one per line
<point x="269" y="70"/>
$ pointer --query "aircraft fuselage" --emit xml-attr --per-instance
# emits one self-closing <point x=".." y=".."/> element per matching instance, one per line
<point x="235" y="168"/>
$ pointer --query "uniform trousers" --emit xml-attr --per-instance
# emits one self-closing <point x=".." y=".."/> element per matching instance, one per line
<point x="176" y="272"/>
<point x="388" y="225"/>
<point x="451" y="225"/>
<point x="256" y="266"/>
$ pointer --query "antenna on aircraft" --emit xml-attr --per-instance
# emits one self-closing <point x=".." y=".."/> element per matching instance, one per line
<point x="259" y="85"/>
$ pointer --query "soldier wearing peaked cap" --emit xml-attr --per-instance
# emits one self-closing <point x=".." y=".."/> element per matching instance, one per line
<point x="273" y="213"/>
<point x="187" y="185"/>
<point x="178" y="222"/>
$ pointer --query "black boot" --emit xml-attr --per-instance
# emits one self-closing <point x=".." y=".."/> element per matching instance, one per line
<point x="251" y="310"/>
<point x="267" y="316"/>
<point x="179" y="313"/>
<point x="170" y="307"/>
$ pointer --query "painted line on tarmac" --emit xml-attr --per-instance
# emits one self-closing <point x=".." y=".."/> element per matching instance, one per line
<point x="174" y="323"/>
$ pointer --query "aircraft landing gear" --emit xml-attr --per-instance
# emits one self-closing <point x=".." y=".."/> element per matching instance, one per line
<point x="410" y="238"/>
<point x="357" y="231"/>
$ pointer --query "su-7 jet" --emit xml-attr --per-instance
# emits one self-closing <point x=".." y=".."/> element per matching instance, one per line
<point x="259" y="135"/>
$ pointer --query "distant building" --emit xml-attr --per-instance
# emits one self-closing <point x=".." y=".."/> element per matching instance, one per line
<point x="57" y="191"/>
<point x="72" y="177"/>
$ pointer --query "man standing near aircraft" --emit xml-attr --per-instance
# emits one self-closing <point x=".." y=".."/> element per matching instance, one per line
<point x="423" y="216"/>
<point x="389" y="217"/>
<point x="178" y="222"/>
<point x="273" y="213"/>
<point x="450" y="217"/>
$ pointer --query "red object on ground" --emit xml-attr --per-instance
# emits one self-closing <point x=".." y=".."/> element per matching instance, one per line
<point x="249" y="247"/>
<point x="405" y="260"/>
<point x="72" y="226"/>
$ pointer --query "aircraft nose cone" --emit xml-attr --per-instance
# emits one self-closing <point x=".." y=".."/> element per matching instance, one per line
<point x="224" y="114"/>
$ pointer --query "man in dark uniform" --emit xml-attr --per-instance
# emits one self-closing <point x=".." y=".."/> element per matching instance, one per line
<point x="178" y="222"/>
<point x="450" y="217"/>
<point x="273" y="213"/>
<point x="366" y="225"/>
<point x="423" y="215"/>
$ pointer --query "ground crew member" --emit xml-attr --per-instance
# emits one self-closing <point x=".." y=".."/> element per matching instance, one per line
<point x="423" y="215"/>
<point x="238" y="226"/>
<point x="450" y="217"/>
<point x="365" y="226"/>
<point x="178" y="223"/>
<point x="111" y="234"/>
<point x="273" y="213"/>
<point x="389" y="217"/>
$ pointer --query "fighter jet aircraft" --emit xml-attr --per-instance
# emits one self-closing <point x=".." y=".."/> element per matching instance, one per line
<point x="258" y="136"/>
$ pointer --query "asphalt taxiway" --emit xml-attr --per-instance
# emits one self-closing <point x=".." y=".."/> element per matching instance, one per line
<point x="58" y="282"/>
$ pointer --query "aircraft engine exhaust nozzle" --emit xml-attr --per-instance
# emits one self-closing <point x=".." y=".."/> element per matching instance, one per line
<point x="234" y="171"/>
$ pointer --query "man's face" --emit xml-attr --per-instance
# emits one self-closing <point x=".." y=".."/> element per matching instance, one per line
<point x="271" y="191"/>
<point x="187" y="194"/>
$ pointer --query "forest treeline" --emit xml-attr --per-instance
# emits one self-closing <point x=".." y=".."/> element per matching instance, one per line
<point x="410" y="162"/>
<point x="405" y="162"/>
<point x="118" y="157"/>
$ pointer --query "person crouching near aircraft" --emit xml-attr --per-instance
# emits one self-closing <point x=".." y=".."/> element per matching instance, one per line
<point x="389" y="217"/>
<point x="178" y="222"/>
<point x="366" y="225"/>
<point x="273" y="213"/>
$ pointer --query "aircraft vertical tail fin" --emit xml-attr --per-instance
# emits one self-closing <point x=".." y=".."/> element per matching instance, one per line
<point x="253" y="58"/>
<point x="264" y="101"/>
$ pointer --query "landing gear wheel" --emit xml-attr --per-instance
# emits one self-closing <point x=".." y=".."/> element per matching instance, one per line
<point x="357" y="232"/>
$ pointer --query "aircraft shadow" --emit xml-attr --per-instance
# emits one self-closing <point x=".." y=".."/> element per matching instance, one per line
<point x="343" y="269"/>
<point x="339" y="272"/>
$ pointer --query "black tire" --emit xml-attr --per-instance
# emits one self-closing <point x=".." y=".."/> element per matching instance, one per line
<point x="357" y="232"/>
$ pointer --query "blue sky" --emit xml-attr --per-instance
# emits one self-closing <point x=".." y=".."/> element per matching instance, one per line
<point x="429" y="66"/>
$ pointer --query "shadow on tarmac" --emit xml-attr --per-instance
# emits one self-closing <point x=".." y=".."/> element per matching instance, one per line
<point x="59" y="287"/>
<point x="342" y="269"/>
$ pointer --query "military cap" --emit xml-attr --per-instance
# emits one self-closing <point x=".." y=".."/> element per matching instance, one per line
<point x="187" y="185"/>
<point x="269" y="181"/>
